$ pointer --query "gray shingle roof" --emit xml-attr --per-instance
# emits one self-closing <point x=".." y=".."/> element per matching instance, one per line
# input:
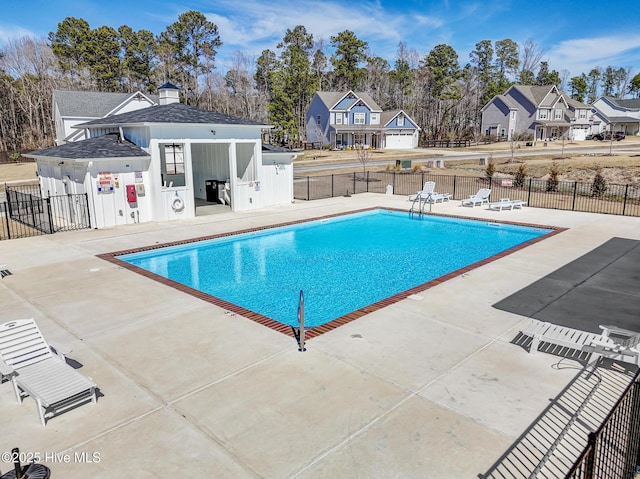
<point x="628" y="103"/>
<point x="330" y="98"/>
<point x="106" y="146"/>
<point x="172" y="113"/>
<point x="90" y="104"/>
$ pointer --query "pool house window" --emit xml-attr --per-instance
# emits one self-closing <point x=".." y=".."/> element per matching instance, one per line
<point x="172" y="164"/>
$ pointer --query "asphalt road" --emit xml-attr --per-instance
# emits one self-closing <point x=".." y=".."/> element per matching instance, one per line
<point x="447" y="155"/>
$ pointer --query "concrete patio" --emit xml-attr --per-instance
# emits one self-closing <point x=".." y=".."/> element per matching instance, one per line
<point x="428" y="387"/>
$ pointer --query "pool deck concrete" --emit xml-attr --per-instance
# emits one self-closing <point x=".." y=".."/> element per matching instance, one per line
<point x="428" y="387"/>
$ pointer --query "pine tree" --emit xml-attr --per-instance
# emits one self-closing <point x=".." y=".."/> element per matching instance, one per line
<point x="554" y="174"/>
<point x="599" y="185"/>
<point x="520" y="176"/>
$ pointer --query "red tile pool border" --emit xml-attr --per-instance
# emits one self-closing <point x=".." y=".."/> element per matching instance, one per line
<point x="347" y="318"/>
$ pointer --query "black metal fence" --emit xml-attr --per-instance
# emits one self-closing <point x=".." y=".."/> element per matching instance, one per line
<point x="613" y="451"/>
<point x="26" y="213"/>
<point x="564" y="195"/>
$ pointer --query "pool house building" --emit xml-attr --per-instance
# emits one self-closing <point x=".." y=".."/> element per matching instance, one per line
<point x="158" y="163"/>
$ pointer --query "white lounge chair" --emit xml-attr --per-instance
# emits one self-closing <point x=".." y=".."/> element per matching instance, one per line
<point x="613" y="342"/>
<point x="481" y="197"/>
<point x="617" y="343"/>
<point x="35" y="371"/>
<point x="4" y="271"/>
<point x="428" y="193"/>
<point x="506" y="203"/>
<point x="427" y="189"/>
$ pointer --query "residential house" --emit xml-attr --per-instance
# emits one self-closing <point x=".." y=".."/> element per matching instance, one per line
<point x="161" y="162"/>
<point x="70" y="108"/>
<point x="347" y="120"/>
<point x="542" y="112"/>
<point x="615" y="114"/>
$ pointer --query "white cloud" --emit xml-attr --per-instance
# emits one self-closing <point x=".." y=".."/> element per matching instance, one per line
<point x="12" y="32"/>
<point x="260" y="25"/>
<point x="583" y="54"/>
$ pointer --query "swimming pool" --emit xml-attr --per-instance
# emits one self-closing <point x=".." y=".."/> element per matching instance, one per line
<point x="343" y="263"/>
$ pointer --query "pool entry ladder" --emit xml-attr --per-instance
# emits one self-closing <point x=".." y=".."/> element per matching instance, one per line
<point x="421" y="202"/>
<point x="299" y="331"/>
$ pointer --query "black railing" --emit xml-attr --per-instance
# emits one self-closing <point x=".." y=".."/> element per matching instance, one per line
<point x="565" y="195"/>
<point x="613" y="451"/>
<point x="25" y="213"/>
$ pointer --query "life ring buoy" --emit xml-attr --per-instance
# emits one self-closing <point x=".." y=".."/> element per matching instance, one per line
<point x="177" y="204"/>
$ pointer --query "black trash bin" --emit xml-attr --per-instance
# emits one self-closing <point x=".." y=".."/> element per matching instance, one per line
<point x="211" y="188"/>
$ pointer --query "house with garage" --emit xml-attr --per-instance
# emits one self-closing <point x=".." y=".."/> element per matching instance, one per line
<point x="539" y="112"/>
<point x="615" y="114"/>
<point x="70" y="108"/>
<point x="162" y="162"/>
<point x="354" y="120"/>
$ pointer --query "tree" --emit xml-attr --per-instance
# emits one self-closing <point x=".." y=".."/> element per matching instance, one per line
<point x="520" y="176"/>
<point x="593" y="80"/>
<point x="102" y="57"/>
<point x="507" y="63"/>
<point x="444" y="69"/>
<point x="634" y="86"/>
<point x="554" y="177"/>
<point x="192" y="42"/>
<point x="138" y="59"/>
<point x="266" y="67"/>
<point x="578" y="87"/>
<point x="400" y="83"/>
<point x="482" y="59"/>
<point x="530" y="56"/>
<point x="377" y="80"/>
<point x="546" y="77"/>
<point x="350" y="53"/>
<point x="294" y="84"/>
<point x="599" y="185"/>
<point x="69" y="44"/>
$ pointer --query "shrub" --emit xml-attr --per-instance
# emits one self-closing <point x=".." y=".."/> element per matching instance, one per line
<point x="554" y="175"/>
<point x="490" y="169"/>
<point x="599" y="185"/>
<point x="520" y="176"/>
<point x="417" y="168"/>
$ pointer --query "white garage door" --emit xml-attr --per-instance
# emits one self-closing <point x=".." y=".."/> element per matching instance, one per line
<point x="399" y="141"/>
<point x="579" y="134"/>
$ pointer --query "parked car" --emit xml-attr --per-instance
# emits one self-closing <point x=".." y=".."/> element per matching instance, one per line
<point x="608" y="135"/>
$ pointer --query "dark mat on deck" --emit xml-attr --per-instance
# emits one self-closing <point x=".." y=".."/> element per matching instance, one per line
<point x="601" y="287"/>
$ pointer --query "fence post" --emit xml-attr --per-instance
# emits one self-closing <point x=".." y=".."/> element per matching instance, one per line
<point x="394" y="181"/>
<point x="86" y="204"/>
<point x="354" y="182"/>
<point x="48" y="203"/>
<point x="624" y="203"/>
<point x="454" y="186"/>
<point x="590" y="462"/>
<point x="308" y="186"/>
<point x="332" y="184"/>
<point x="575" y="192"/>
<point x="7" y="218"/>
<point x="529" y="193"/>
<point x="367" y="181"/>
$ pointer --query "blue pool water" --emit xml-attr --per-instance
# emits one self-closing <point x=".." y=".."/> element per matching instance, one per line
<point x="342" y="263"/>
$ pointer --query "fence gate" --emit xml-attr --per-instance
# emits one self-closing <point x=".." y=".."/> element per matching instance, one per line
<point x="26" y="213"/>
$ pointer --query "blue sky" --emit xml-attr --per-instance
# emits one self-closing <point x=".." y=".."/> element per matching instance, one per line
<point x="576" y="36"/>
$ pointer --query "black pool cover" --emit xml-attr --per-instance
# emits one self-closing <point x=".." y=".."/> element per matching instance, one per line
<point x="601" y="287"/>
